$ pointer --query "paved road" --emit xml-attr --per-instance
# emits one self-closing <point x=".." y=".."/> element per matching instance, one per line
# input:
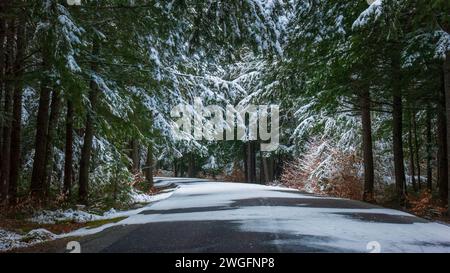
<point x="203" y="216"/>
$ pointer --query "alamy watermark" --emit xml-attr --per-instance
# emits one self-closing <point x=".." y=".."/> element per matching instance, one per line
<point x="216" y="123"/>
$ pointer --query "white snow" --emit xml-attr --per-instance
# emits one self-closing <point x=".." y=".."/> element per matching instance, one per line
<point x="372" y="12"/>
<point x="52" y="217"/>
<point x="80" y="216"/>
<point x="443" y="45"/>
<point x="10" y="240"/>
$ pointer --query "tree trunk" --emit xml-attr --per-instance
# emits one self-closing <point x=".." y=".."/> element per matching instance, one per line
<point x="17" y="114"/>
<point x="442" y="148"/>
<point x="262" y="176"/>
<point x="5" y="163"/>
<point x="38" y="173"/>
<point x="175" y="167"/>
<point x="429" y="151"/>
<point x="251" y="161"/>
<point x="367" y="146"/>
<point x="447" y="98"/>
<point x="267" y="163"/>
<point x="411" y="158"/>
<point x="135" y="156"/>
<point x="52" y="126"/>
<point x="37" y="177"/>
<point x="417" y="151"/>
<point x="89" y="132"/>
<point x="191" y="165"/>
<point x="244" y="152"/>
<point x="397" y="126"/>
<point x="399" y="168"/>
<point x="68" y="159"/>
<point x="181" y="167"/>
<point x="2" y="74"/>
<point x="149" y="167"/>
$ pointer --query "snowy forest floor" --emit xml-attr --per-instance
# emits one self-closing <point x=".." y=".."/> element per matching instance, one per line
<point x="19" y="230"/>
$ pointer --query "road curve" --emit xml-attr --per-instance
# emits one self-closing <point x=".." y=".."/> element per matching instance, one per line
<point x="202" y="216"/>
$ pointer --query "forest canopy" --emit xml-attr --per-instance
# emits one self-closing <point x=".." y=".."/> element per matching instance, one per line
<point x="87" y="92"/>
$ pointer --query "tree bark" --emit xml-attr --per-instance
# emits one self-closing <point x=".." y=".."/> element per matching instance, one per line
<point x="5" y="163"/>
<point x="447" y="98"/>
<point x="417" y="151"/>
<point x="442" y="148"/>
<point x="411" y="158"/>
<point x="397" y="124"/>
<point x="17" y="114"/>
<point x="267" y="163"/>
<point x="251" y="161"/>
<point x="52" y="126"/>
<point x="397" y="131"/>
<point x="191" y="165"/>
<point x="429" y="152"/>
<point x="2" y="74"/>
<point x="149" y="168"/>
<point x="244" y="152"/>
<point x="135" y="156"/>
<point x="68" y="159"/>
<point x="369" y="174"/>
<point x="175" y="167"/>
<point x="86" y="150"/>
<point x="38" y="173"/>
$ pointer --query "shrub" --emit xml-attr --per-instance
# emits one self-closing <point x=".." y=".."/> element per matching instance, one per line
<point x="326" y="170"/>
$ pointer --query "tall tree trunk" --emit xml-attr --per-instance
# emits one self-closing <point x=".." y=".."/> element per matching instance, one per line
<point x="442" y="148"/>
<point x="135" y="156"/>
<point x="86" y="150"/>
<point x="38" y="173"/>
<point x="244" y="152"/>
<point x="175" y="167"/>
<point x="2" y="72"/>
<point x="149" y="167"/>
<point x="411" y="158"/>
<point x="417" y="150"/>
<point x="447" y="98"/>
<point x="5" y="163"/>
<point x="397" y="126"/>
<point x="366" y="121"/>
<point x="191" y="165"/>
<point x="267" y="163"/>
<point x="429" y="151"/>
<point x="399" y="168"/>
<point x="181" y="167"/>
<point x="52" y="126"/>
<point x="251" y="161"/>
<point x="68" y="159"/>
<point x="17" y="113"/>
<point x="262" y="176"/>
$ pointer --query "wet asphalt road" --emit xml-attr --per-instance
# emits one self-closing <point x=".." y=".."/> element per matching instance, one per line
<point x="225" y="235"/>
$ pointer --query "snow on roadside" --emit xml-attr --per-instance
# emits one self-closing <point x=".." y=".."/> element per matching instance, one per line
<point x="138" y="197"/>
<point x="53" y="217"/>
<point x="10" y="240"/>
<point x="80" y="216"/>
